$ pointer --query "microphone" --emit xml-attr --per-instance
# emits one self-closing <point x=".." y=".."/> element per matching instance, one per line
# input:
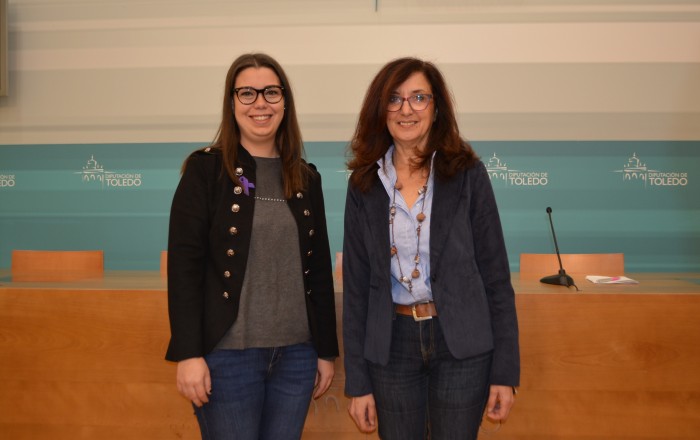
<point x="561" y="279"/>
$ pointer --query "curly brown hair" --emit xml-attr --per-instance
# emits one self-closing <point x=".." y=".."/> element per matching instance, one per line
<point x="372" y="139"/>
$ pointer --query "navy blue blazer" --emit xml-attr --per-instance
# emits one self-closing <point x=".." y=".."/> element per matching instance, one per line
<point x="469" y="275"/>
<point x="209" y="238"/>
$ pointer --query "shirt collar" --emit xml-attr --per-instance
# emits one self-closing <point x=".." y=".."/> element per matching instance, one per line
<point x="387" y="171"/>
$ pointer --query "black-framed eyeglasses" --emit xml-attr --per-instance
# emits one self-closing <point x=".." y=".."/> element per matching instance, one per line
<point x="248" y="95"/>
<point x="417" y="102"/>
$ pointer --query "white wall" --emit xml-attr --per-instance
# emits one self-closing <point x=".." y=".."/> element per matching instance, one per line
<point x="84" y="71"/>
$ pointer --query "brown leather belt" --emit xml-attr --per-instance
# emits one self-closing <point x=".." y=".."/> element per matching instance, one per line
<point x="420" y="311"/>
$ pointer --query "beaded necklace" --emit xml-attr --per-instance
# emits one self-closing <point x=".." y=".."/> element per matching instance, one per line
<point x="270" y="199"/>
<point x="394" y="250"/>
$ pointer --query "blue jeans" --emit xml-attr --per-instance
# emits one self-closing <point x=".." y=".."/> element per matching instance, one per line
<point x="424" y="392"/>
<point x="258" y="393"/>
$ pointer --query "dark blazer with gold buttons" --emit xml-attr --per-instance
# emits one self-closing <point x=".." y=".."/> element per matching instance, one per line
<point x="211" y="221"/>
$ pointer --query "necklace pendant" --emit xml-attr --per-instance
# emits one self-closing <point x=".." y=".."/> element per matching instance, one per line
<point x="415" y="273"/>
<point x="420" y="217"/>
<point x="393" y="251"/>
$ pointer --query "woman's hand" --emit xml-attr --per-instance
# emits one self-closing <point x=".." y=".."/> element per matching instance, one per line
<point x="363" y="412"/>
<point x="193" y="380"/>
<point x="324" y="377"/>
<point x="501" y="400"/>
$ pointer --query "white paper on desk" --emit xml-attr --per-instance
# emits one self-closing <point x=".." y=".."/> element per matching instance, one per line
<point x="597" y="279"/>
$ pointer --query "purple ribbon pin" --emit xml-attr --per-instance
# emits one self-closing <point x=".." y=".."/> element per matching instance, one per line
<point x="246" y="185"/>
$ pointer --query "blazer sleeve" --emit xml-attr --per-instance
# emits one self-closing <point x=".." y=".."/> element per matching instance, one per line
<point x="492" y="260"/>
<point x="356" y="287"/>
<point x="187" y="253"/>
<point x="322" y="295"/>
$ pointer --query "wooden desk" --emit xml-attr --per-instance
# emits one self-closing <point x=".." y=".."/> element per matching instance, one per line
<point x="84" y="360"/>
<point x="609" y="362"/>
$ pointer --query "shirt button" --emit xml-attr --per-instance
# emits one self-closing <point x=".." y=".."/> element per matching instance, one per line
<point x="225" y="295"/>
<point x="300" y="196"/>
<point x="308" y="292"/>
<point x="233" y="230"/>
<point x="227" y="274"/>
<point x="309" y="253"/>
<point x="230" y="253"/>
<point x="239" y="171"/>
<point x="307" y="272"/>
<point x="235" y="207"/>
<point x="237" y="190"/>
<point x="208" y="149"/>
<point x="307" y="213"/>
<point x="311" y="233"/>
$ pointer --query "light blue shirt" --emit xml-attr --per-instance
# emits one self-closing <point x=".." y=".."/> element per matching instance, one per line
<point x="405" y="224"/>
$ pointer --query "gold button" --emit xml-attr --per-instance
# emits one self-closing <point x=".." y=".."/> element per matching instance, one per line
<point x="237" y="190"/>
<point x="233" y="230"/>
<point x="300" y="196"/>
<point x="311" y="233"/>
<point x="226" y="295"/>
<point x="230" y="252"/>
<point x="307" y="213"/>
<point x="235" y="207"/>
<point x="308" y="254"/>
<point x="239" y="171"/>
<point x="227" y="274"/>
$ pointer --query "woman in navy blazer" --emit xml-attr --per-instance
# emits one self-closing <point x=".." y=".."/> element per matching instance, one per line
<point x="429" y="321"/>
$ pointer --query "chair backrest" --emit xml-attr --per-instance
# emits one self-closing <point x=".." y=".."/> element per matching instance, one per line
<point x="586" y="264"/>
<point x="338" y="272"/>
<point x="39" y="265"/>
<point x="164" y="263"/>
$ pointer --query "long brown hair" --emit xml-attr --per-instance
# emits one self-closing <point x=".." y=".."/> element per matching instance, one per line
<point x="295" y="171"/>
<point x="372" y="139"/>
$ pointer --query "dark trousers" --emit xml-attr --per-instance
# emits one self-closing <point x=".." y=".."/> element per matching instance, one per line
<point x="424" y="392"/>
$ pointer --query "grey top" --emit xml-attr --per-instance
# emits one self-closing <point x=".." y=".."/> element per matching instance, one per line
<point x="273" y="308"/>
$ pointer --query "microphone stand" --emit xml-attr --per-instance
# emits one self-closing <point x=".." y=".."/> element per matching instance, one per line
<point x="561" y="279"/>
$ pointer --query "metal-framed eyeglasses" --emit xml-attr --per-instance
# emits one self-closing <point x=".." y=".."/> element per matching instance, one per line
<point x="417" y="102"/>
<point x="248" y="95"/>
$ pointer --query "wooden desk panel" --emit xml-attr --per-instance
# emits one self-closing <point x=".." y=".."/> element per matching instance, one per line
<point x="608" y="366"/>
<point x="88" y="364"/>
<point x="84" y="360"/>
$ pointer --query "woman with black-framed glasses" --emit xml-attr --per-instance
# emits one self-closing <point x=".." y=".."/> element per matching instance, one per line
<point x="430" y="329"/>
<point x="250" y="287"/>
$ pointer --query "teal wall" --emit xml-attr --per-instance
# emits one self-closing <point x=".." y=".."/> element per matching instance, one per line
<point x="52" y="198"/>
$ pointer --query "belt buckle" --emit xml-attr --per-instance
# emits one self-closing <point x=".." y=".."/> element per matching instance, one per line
<point x="419" y="318"/>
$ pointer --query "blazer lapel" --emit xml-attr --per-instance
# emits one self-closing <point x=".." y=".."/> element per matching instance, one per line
<point x="377" y="209"/>
<point x="446" y="197"/>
